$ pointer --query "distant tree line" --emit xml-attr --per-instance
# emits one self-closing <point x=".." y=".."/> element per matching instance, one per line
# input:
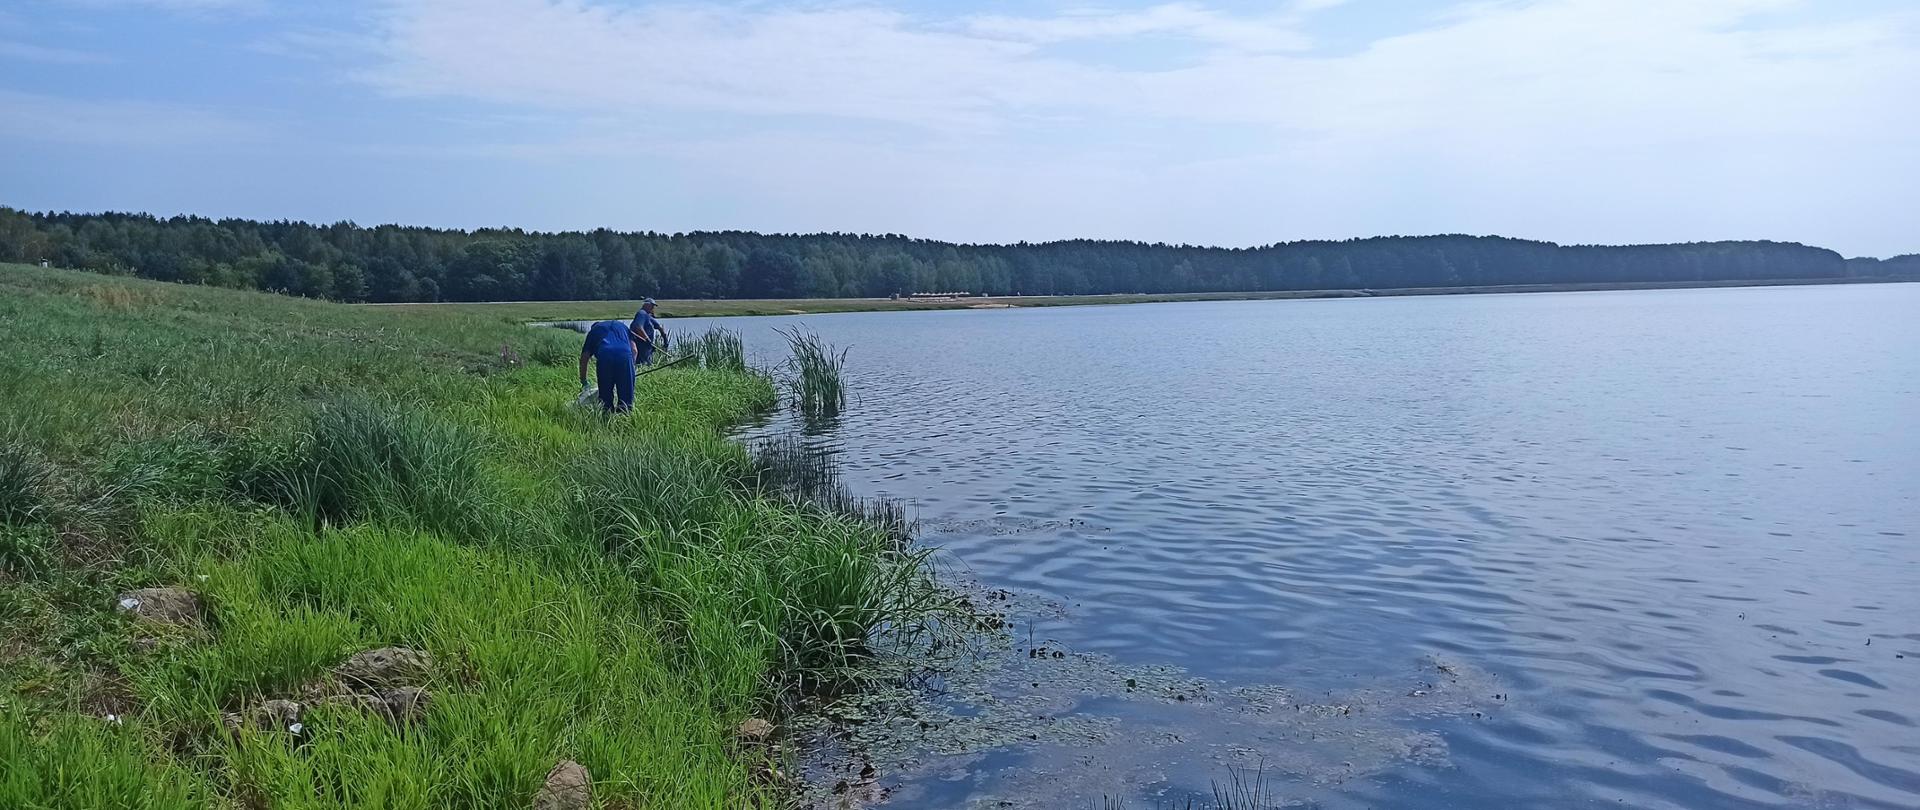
<point x="392" y="263"/>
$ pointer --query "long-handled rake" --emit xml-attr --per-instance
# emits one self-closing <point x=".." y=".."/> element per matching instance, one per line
<point x="667" y="365"/>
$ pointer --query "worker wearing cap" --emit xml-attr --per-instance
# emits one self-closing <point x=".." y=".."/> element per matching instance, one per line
<point x="645" y="326"/>
<point x="612" y="348"/>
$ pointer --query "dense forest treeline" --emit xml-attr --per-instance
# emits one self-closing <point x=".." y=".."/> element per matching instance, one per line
<point x="391" y="263"/>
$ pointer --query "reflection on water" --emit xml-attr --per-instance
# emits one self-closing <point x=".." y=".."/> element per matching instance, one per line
<point x="1673" y="531"/>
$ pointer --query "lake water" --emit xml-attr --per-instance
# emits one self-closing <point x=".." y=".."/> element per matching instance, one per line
<point x="1641" y="549"/>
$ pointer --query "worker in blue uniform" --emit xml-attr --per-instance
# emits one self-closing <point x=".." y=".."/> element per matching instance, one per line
<point x="645" y="326"/>
<point x="612" y="347"/>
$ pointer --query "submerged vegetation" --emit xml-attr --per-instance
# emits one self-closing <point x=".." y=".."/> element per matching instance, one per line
<point x="218" y="508"/>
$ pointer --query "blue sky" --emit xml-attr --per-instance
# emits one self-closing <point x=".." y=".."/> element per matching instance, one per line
<point x="1233" y="123"/>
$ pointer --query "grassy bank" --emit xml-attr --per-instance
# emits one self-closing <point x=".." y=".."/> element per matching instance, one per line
<point x="326" y="480"/>
<point x="525" y="311"/>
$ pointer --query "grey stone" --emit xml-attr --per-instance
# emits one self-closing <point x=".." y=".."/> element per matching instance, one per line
<point x="165" y="606"/>
<point x="568" y="787"/>
<point x="385" y="668"/>
<point x="273" y="717"/>
<point x="350" y="700"/>
<point x="278" y="715"/>
<point x="754" y="730"/>
<point x="407" y="704"/>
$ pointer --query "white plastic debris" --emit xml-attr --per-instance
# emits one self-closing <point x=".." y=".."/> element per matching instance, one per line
<point x="130" y="603"/>
<point x="296" y="728"/>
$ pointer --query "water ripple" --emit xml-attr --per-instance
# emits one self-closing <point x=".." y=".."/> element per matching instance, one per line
<point x="1678" y="527"/>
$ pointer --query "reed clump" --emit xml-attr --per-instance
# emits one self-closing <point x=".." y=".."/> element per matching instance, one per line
<point x="359" y="460"/>
<point x="817" y="374"/>
<point x="1243" y="789"/>
<point x="718" y="348"/>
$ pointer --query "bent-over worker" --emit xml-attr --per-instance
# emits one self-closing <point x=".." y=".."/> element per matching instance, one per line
<point x="611" y="346"/>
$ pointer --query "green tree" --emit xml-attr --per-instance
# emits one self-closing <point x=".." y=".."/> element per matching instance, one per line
<point x="771" y="274"/>
<point x="396" y="263"/>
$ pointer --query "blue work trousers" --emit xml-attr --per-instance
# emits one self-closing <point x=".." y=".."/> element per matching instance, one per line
<point x="616" y="380"/>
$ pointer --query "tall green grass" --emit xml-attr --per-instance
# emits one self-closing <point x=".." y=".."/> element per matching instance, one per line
<point x="181" y="465"/>
<point x="25" y="547"/>
<point x="24" y="480"/>
<point x="26" y="552"/>
<point x="80" y="763"/>
<point x="329" y="479"/>
<point x="806" y="581"/>
<point x="530" y="663"/>
<point x="363" y="461"/>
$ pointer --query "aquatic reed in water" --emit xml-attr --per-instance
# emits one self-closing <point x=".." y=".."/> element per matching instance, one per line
<point x="787" y="467"/>
<point x="817" y="385"/>
<point x="719" y="348"/>
<point x="1245" y="789"/>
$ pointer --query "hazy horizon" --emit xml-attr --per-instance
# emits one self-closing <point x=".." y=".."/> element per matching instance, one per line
<point x="1230" y="124"/>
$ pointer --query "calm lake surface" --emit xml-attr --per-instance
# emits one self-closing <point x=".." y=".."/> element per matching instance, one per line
<point x="1641" y="549"/>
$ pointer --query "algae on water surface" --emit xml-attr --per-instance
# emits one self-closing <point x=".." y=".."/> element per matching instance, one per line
<point x="1016" y="723"/>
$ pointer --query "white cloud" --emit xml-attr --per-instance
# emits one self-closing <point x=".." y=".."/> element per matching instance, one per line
<point x="114" y="122"/>
<point x="1278" y="33"/>
<point x="1640" y="69"/>
<point x="1183" y="120"/>
<point x="314" y="43"/>
<point x="862" y="63"/>
<point x="187" y="6"/>
<point x="58" y="56"/>
<point x="1569" y="119"/>
<point x="1584" y="120"/>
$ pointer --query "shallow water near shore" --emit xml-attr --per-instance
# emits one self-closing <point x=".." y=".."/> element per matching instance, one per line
<point x="1645" y="549"/>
